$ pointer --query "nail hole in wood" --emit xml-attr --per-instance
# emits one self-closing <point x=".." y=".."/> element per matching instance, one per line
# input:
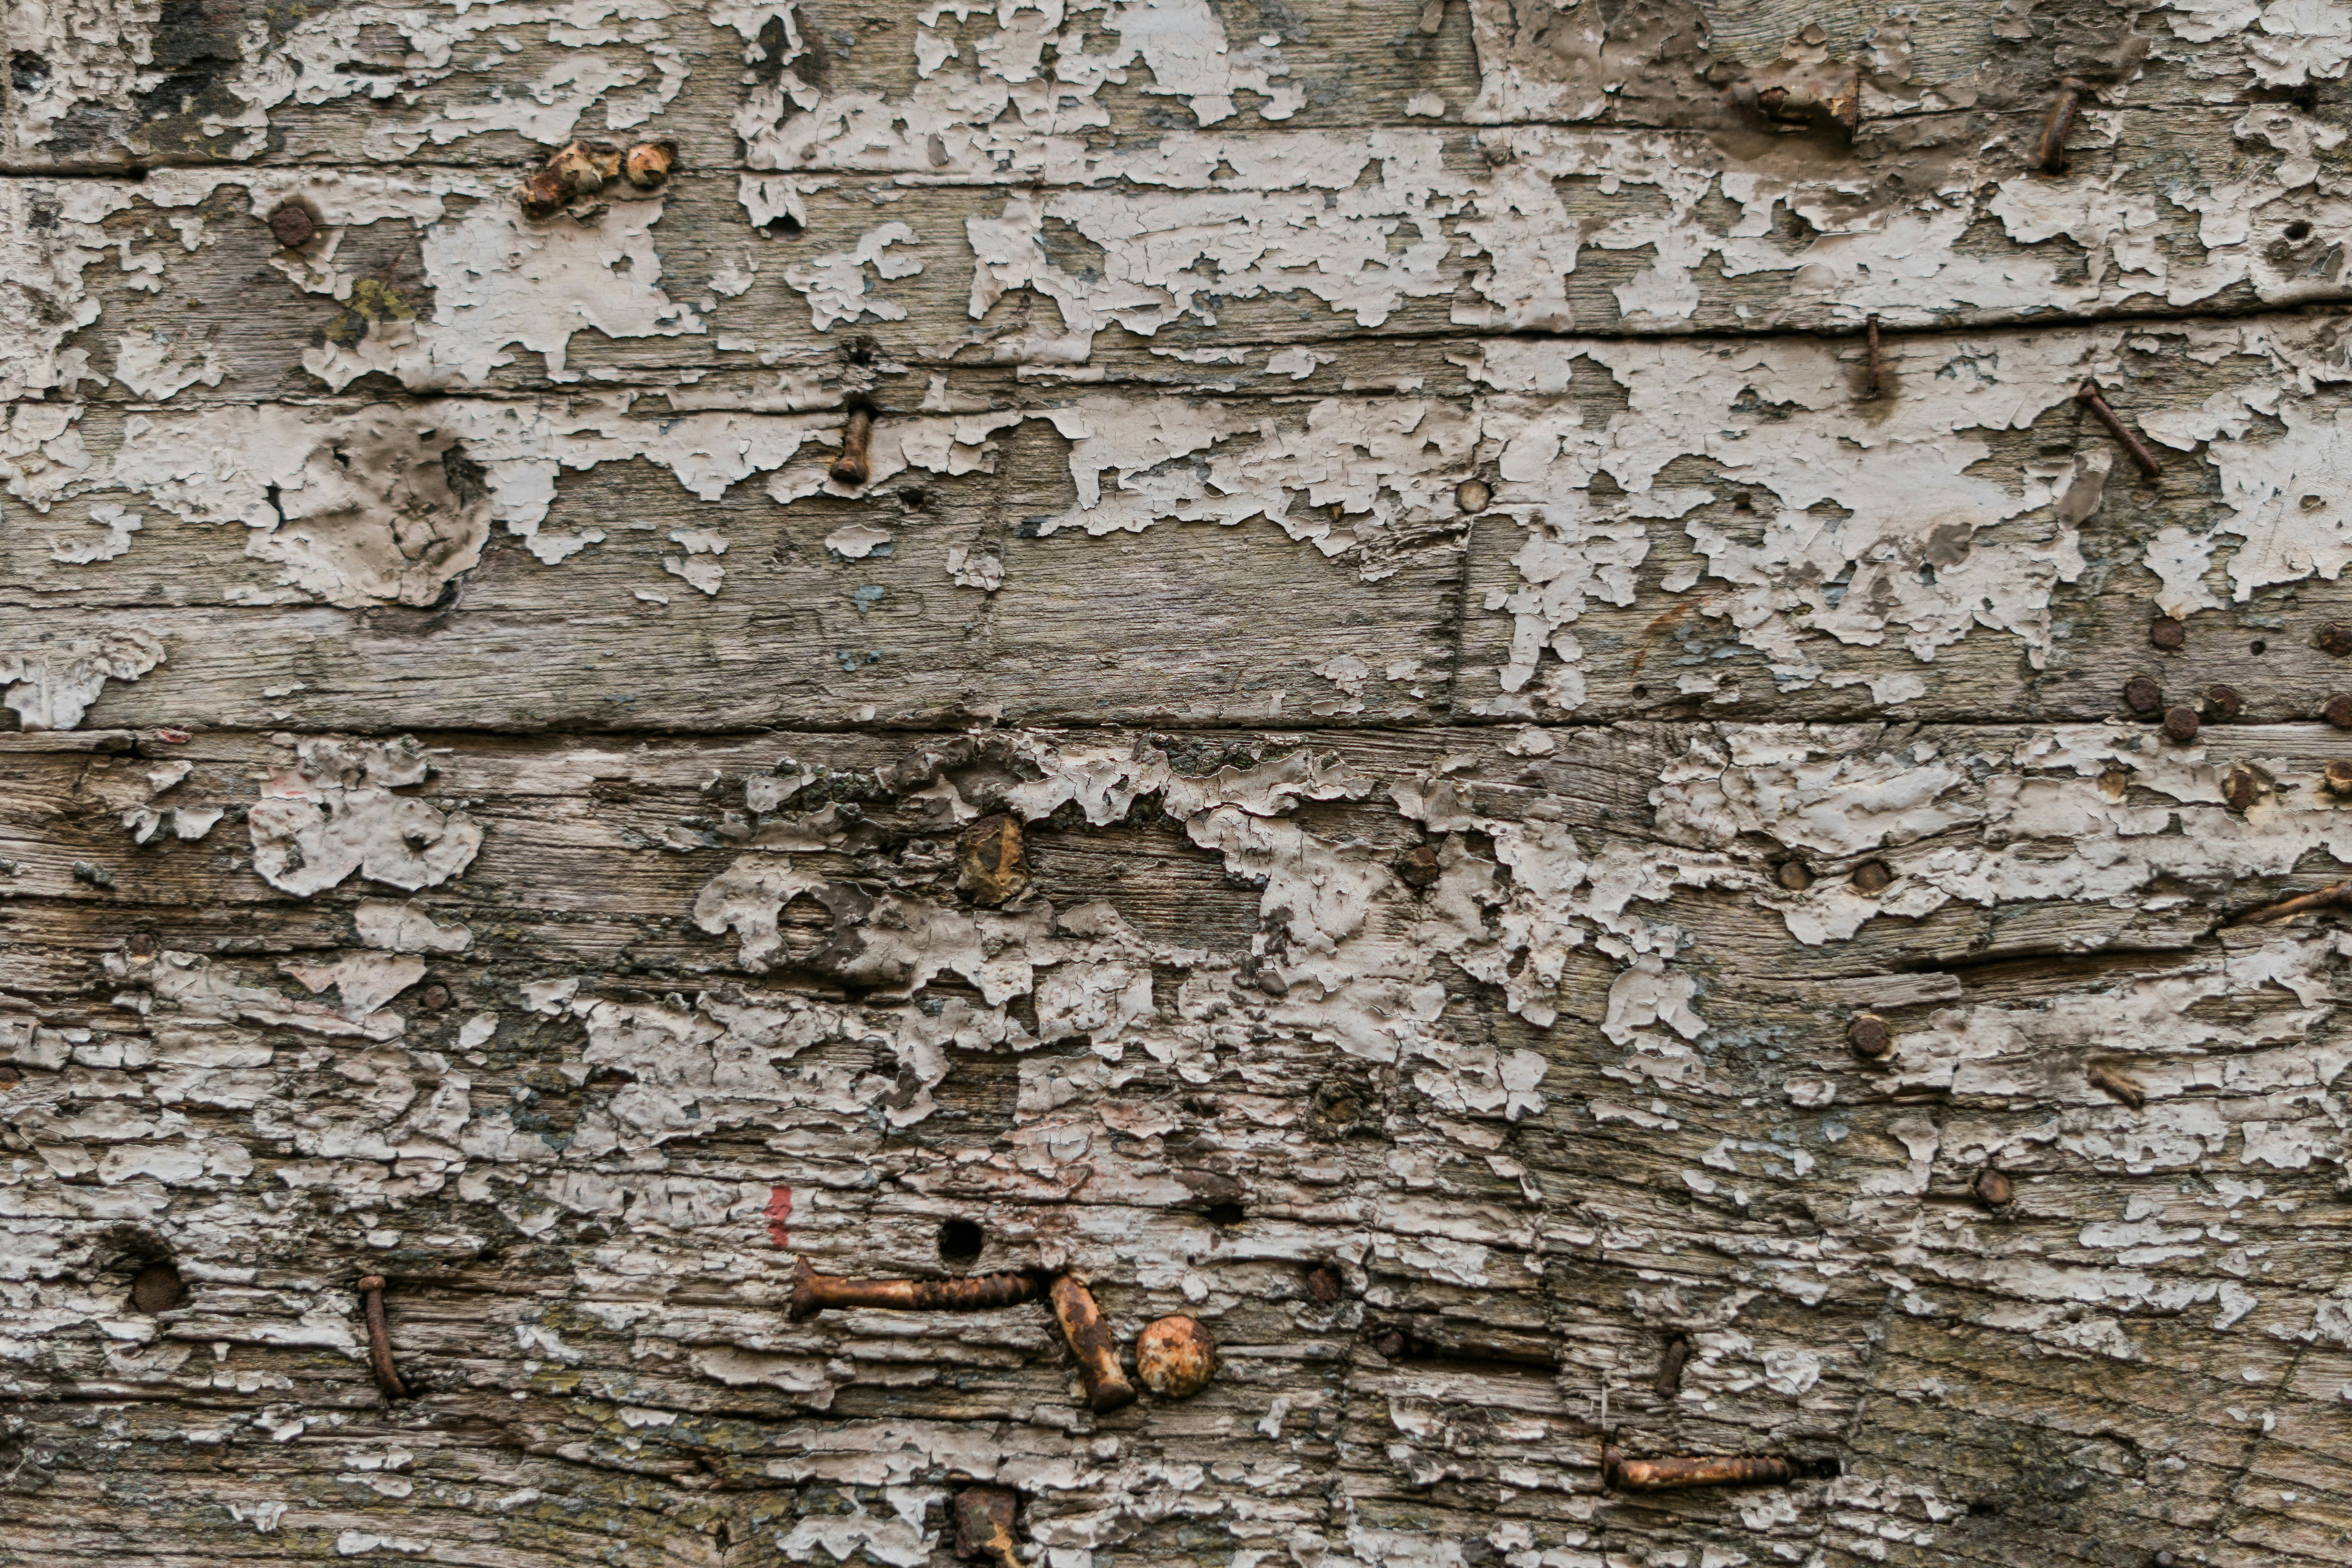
<point x="2298" y="229"/>
<point x="157" y="1289"/>
<point x="1225" y="1213"/>
<point x="2259" y="645"/>
<point x="959" y="1241"/>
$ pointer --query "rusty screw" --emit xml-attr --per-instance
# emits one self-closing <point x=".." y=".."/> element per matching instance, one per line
<point x="648" y="164"/>
<point x="2180" y="724"/>
<point x="2049" y="147"/>
<point x="1993" y="1189"/>
<point x="387" y="1378"/>
<point x="1090" y="1341"/>
<point x="2336" y="778"/>
<point x="1872" y="877"/>
<point x="1671" y="1475"/>
<point x="2335" y="638"/>
<point x="2143" y="695"/>
<point x="854" y="464"/>
<point x="1174" y="1357"/>
<point x="2088" y="396"/>
<point x="1793" y="875"/>
<point x="2166" y="633"/>
<point x="1869" y="1036"/>
<point x="292" y="225"/>
<point x="984" y="1520"/>
<point x="2338" y="712"/>
<point x="1877" y="381"/>
<point x="813" y="1292"/>
<point x="2242" y="787"/>
<point x="2222" y="704"/>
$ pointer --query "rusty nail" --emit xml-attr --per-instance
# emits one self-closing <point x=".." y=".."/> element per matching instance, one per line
<point x="1390" y="1345"/>
<point x="157" y="1289"/>
<point x="2180" y="724"/>
<point x="291" y="225"/>
<point x="434" y="997"/>
<point x="1873" y="877"/>
<point x="2143" y="695"/>
<point x="1417" y="866"/>
<point x="1993" y="1189"/>
<point x="2338" y="712"/>
<point x="2222" y="704"/>
<point x="1793" y="875"/>
<point x="2116" y="1082"/>
<point x="1869" y="1036"/>
<point x="2050" y="151"/>
<point x="989" y="865"/>
<point x="9" y="1077"/>
<point x="813" y="1292"/>
<point x="387" y="1378"/>
<point x="2088" y="396"/>
<point x="2336" y="638"/>
<point x="142" y="944"/>
<point x="2327" y="897"/>
<point x="1670" y="1474"/>
<point x="2166" y="633"/>
<point x="1877" y="381"/>
<point x="855" y="466"/>
<point x="1090" y="1341"/>
<point x="1472" y="495"/>
<point x="1323" y="1284"/>
<point x="648" y="164"/>
<point x="1174" y="1357"/>
<point x="1671" y="1364"/>
<point x="545" y="194"/>
<point x="984" y="1521"/>
<point x="2336" y="778"/>
<point x="585" y="166"/>
<point x="2242" y="787"/>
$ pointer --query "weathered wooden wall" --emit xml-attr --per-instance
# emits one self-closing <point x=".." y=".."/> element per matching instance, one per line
<point x="1388" y="497"/>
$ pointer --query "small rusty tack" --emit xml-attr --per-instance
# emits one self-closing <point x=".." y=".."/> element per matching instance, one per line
<point x="2329" y="898"/>
<point x="2050" y="150"/>
<point x="2166" y="633"/>
<point x="984" y="1521"/>
<point x="2180" y="724"/>
<point x="1993" y="1189"/>
<point x="1869" y="1036"/>
<point x="387" y="1377"/>
<point x="2338" y="712"/>
<point x="2336" y="778"/>
<point x="1872" y="877"/>
<point x="1877" y="381"/>
<point x="1670" y="1366"/>
<point x="2222" y="704"/>
<point x="1793" y="875"/>
<point x="1082" y="1324"/>
<point x="2087" y="395"/>
<point x="855" y="466"/>
<point x="1174" y="1357"/>
<point x="2143" y="695"/>
<point x="2335" y="638"/>
<point x="2241" y="786"/>
<point x="1626" y="1475"/>
<point x="291" y="225"/>
<point x="2114" y="1082"/>
<point x="813" y="1292"/>
<point x="648" y="164"/>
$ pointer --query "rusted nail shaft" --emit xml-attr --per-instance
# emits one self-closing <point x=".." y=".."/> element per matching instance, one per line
<point x="2088" y="396"/>
<point x="855" y="466"/>
<point x="813" y="1292"/>
<point x="387" y="1377"/>
<point x="1627" y="1475"/>
<point x="2116" y="1083"/>
<point x="2325" y="899"/>
<point x="984" y="1521"/>
<point x="1082" y="1324"/>
<point x="2050" y="151"/>
<point x="1876" y="381"/>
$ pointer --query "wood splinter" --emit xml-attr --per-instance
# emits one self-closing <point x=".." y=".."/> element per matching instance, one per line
<point x="984" y="1521"/>
<point x="813" y="1292"/>
<point x="1626" y="1475"/>
<point x="387" y="1377"/>
<point x="1082" y="1324"/>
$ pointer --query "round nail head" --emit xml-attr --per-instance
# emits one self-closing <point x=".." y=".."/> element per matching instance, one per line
<point x="2241" y="786"/>
<point x="1993" y="1189"/>
<point x="1323" y="1284"/>
<point x="2336" y="778"/>
<point x="291" y="225"/>
<point x="1472" y="495"/>
<point x="647" y="165"/>
<point x="2222" y="704"/>
<point x="1174" y="1357"/>
<point x="1794" y="875"/>
<point x="2336" y="638"/>
<point x="2338" y="712"/>
<point x="1873" y="877"/>
<point x="2180" y="724"/>
<point x="1869" y="1036"/>
<point x="2143" y="695"/>
<point x="2166" y="633"/>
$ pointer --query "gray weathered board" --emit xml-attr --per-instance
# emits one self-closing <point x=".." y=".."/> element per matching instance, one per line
<point x="1388" y="496"/>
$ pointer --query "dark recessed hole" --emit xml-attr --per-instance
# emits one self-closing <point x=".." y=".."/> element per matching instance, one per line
<point x="1225" y="1213"/>
<point x="2298" y="229"/>
<point x="157" y="1289"/>
<point x="960" y="1240"/>
<point x="2259" y="645"/>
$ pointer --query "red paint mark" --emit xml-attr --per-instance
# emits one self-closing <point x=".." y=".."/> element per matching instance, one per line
<point x="779" y="1209"/>
<point x="176" y="737"/>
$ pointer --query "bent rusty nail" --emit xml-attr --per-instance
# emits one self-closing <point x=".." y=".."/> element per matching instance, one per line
<point x="813" y="1292"/>
<point x="1670" y="1474"/>
<point x="853" y="466"/>
<point x="984" y="1521"/>
<point x="2117" y="1083"/>
<point x="2088" y="396"/>
<point x="1875" y="383"/>
<point x="1082" y="1324"/>
<point x="2302" y="903"/>
<point x="387" y="1377"/>
<point x="2050" y="151"/>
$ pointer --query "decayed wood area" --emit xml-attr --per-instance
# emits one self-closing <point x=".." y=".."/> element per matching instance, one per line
<point x="1491" y="713"/>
